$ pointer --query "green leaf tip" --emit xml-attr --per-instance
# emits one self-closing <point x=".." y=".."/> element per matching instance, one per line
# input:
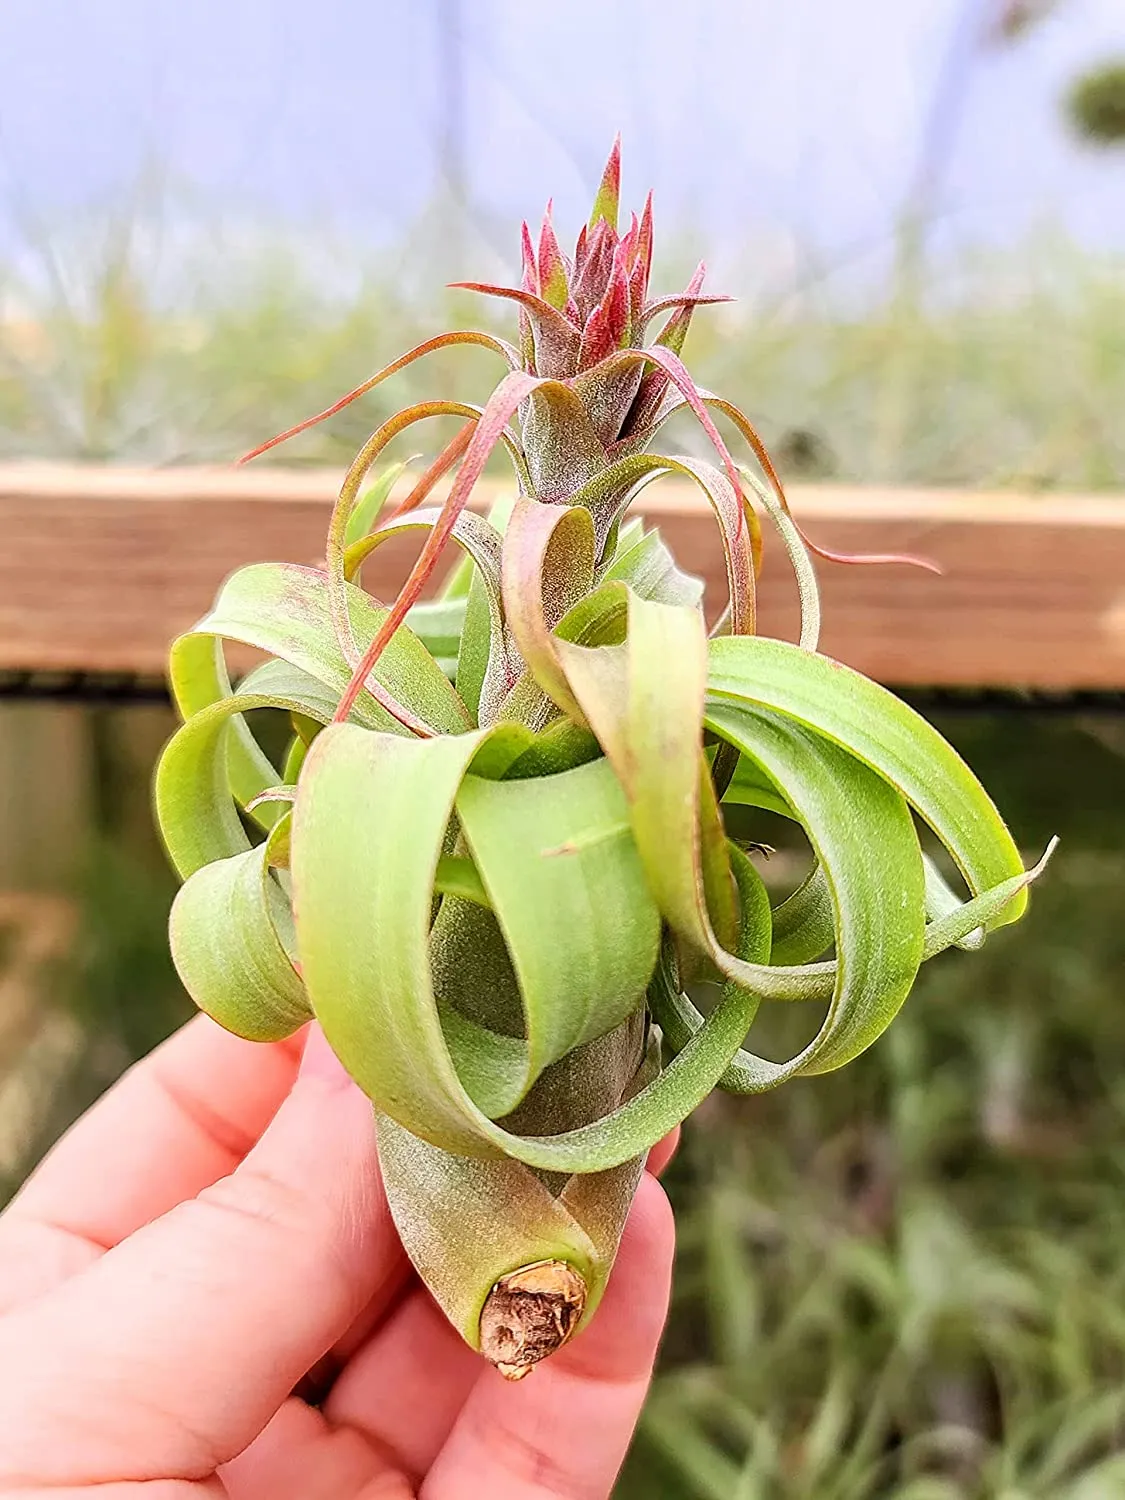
<point x="609" y="189"/>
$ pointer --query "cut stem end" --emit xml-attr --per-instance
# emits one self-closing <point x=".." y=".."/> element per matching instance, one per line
<point x="529" y="1314"/>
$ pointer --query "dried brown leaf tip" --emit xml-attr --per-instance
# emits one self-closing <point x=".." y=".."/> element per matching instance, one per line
<point x="529" y="1314"/>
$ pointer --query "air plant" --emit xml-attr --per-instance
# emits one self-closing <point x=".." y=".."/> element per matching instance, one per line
<point x="493" y="863"/>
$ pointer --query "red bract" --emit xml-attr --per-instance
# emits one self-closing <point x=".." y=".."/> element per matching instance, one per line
<point x="601" y="294"/>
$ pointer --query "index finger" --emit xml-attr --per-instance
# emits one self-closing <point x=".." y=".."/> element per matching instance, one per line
<point x="178" y="1121"/>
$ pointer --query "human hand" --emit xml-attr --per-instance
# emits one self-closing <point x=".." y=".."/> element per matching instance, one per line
<point x="213" y="1236"/>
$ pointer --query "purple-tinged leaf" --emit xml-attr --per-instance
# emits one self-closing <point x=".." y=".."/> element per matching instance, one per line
<point x="556" y="339"/>
<point x="672" y="367"/>
<point x="338" y="607"/>
<point x="654" y="386"/>
<point x="580" y="250"/>
<point x="617" y="297"/>
<point x="529" y="282"/>
<point x="677" y="373"/>
<point x="750" y="436"/>
<point x="529" y="273"/>
<point x="536" y="306"/>
<point x="608" y="324"/>
<point x="637" y="286"/>
<point x="607" y="392"/>
<point x="641" y="419"/>
<point x="600" y="336"/>
<point x="436" y="471"/>
<point x="675" y="331"/>
<point x="590" y="282"/>
<point x="629" y="243"/>
<point x="643" y="247"/>
<point x="799" y="559"/>
<point x="639" y="432"/>
<point x="682" y="300"/>
<point x="562" y="446"/>
<point x="547" y="565"/>
<point x="481" y="543"/>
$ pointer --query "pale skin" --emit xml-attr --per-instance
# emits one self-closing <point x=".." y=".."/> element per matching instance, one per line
<point x="210" y="1244"/>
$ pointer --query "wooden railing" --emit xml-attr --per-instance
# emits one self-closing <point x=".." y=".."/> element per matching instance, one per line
<point x="101" y="567"/>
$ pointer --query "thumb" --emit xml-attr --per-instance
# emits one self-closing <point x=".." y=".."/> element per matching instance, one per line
<point x="171" y="1353"/>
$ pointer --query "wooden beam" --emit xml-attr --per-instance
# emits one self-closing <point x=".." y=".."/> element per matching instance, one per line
<point x="101" y="567"/>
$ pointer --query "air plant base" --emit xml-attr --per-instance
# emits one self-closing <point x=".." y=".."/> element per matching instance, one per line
<point x="529" y="1314"/>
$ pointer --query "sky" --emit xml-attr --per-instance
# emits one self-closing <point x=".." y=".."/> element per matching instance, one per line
<point x="771" y="124"/>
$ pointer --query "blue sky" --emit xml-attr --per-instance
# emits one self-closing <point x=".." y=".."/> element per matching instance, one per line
<point x="768" y="122"/>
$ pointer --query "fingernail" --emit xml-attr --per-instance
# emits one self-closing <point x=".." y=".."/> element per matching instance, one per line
<point x="319" y="1060"/>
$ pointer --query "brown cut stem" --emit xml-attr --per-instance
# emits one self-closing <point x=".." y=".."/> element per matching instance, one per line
<point x="529" y="1314"/>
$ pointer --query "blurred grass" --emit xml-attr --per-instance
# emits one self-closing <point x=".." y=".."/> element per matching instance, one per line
<point x="120" y="341"/>
<point x="904" y="1280"/>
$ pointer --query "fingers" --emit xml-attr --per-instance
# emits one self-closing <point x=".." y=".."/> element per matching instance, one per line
<point x="663" y="1152"/>
<point x="169" y="1356"/>
<point x="176" y="1122"/>
<point x="301" y="1456"/>
<point x="399" y="1398"/>
<point x="401" y="1392"/>
<point x="563" y="1432"/>
<point x="386" y="1418"/>
<point x="404" y="1388"/>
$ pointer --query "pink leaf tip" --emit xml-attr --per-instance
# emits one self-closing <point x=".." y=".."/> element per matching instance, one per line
<point x="553" y="281"/>
<point x="609" y="189"/>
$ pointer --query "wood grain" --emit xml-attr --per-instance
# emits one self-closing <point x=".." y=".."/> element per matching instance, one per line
<point x="101" y="567"/>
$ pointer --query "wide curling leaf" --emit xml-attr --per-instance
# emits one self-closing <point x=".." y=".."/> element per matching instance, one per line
<point x="226" y="932"/>
<point x="283" y="609"/>
<point x="556" y="859"/>
<point x="877" y="891"/>
<point x="844" y="756"/>
<point x="214" y="766"/>
<point x="879" y="729"/>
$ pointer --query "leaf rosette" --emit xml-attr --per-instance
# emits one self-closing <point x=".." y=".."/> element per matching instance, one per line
<point x="493" y="861"/>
